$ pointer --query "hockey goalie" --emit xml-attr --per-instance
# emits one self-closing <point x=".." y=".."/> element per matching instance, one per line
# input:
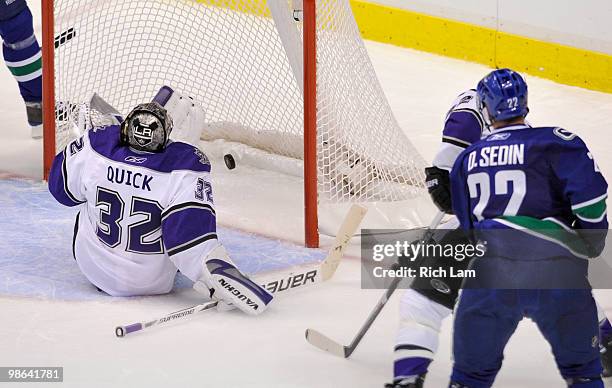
<point x="146" y="207"/>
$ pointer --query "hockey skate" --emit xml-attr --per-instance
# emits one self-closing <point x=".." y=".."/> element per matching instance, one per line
<point x="413" y="382"/>
<point x="34" y="113"/>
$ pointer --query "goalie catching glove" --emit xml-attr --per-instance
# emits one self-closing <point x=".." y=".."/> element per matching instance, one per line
<point x="188" y="115"/>
<point x="221" y="280"/>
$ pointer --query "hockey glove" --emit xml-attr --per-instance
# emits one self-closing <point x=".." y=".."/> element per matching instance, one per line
<point x="438" y="185"/>
<point x="221" y="280"/>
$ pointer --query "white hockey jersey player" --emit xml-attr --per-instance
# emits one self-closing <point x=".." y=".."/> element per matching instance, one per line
<point x="464" y="124"/>
<point x="143" y="215"/>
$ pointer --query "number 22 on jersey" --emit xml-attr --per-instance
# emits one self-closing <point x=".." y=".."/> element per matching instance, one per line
<point x="482" y="186"/>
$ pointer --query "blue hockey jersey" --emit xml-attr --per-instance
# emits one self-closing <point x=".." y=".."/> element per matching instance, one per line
<point x="141" y="216"/>
<point x="543" y="180"/>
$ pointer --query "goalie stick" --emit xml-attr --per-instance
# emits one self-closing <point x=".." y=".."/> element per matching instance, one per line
<point x="327" y="344"/>
<point x="275" y="283"/>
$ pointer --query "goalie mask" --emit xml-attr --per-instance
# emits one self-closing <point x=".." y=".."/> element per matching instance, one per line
<point x="146" y="128"/>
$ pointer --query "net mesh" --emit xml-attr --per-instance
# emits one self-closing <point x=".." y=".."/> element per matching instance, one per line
<point x="241" y="59"/>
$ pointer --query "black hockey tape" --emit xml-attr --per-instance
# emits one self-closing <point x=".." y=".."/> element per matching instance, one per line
<point x="230" y="162"/>
<point x="65" y="37"/>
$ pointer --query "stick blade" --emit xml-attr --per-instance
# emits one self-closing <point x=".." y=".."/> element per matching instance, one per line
<point x="325" y="343"/>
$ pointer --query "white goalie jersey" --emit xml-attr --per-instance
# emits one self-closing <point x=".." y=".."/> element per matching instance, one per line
<point x="142" y="215"/>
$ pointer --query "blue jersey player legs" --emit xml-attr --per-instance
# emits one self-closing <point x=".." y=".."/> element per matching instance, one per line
<point x="527" y="180"/>
<point x="23" y="57"/>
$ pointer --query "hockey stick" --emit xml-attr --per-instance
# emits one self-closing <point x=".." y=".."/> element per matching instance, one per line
<point x="122" y="331"/>
<point x="327" y="344"/>
<point x="275" y="284"/>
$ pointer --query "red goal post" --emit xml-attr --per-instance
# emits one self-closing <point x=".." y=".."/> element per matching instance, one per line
<point x="48" y="39"/>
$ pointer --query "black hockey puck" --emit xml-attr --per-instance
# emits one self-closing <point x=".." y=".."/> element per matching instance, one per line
<point x="229" y="161"/>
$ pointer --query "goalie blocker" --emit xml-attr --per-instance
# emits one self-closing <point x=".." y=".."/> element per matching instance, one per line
<point x="221" y="280"/>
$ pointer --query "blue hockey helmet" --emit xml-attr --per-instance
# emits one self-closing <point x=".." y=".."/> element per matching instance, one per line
<point x="503" y="93"/>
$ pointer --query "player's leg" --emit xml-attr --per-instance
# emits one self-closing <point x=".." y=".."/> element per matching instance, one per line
<point x="23" y="57"/>
<point x="422" y="309"/>
<point x="568" y="320"/>
<point x="484" y="322"/>
<point x="417" y="338"/>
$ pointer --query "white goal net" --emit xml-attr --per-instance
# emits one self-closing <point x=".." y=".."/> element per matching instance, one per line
<point x="242" y="60"/>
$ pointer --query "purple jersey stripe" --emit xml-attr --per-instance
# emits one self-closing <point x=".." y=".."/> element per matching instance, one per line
<point x="187" y="224"/>
<point x="58" y="182"/>
<point x="463" y="126"/>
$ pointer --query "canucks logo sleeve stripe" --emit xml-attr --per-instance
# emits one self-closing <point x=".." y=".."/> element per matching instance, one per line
<point x="590" y="203"/>
<point x="592" y="211"/>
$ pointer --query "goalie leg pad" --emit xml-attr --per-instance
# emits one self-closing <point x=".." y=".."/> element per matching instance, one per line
<point x="231" y="286"/>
